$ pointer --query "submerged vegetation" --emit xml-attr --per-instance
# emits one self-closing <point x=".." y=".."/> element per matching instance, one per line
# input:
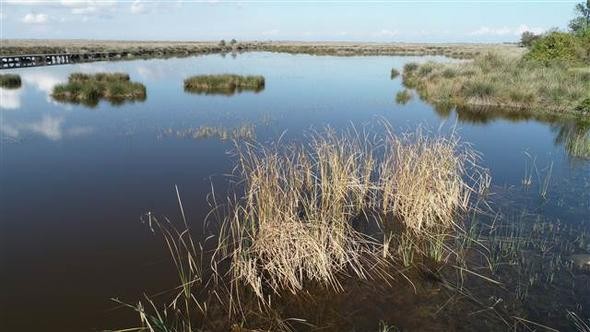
<point x="10" y="81"/>
<point x="227" y="84"/>
<point x="89" y="89"/>
<point x="245" y="131"/>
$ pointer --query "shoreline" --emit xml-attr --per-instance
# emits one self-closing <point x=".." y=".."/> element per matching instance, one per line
<point x="14" y="47"/>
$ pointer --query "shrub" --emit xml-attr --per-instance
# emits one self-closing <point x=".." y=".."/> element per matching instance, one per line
<point x="556" y="47"/>
<point x="394" y="73"/>
<point x="584" y="106"/>
<point x="527" y="38"/>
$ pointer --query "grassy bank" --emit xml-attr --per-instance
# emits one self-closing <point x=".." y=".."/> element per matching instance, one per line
<point x="227" y="84"/>
<point x="10" y="81"/>
<point x="89" y="89"/>
<point x="508" y="82"/>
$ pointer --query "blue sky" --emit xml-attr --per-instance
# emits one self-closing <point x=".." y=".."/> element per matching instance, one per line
<point x="385" y="21"/>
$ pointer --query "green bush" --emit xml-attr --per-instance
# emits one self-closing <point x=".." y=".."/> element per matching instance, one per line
<point x="584" y="106"/>
<point x="558" y="47"/>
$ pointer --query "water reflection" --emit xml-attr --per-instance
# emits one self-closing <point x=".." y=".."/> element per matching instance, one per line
<point x="48" y="126"/>
<point x="10" y="98"/>
<point x="572" y="134"/>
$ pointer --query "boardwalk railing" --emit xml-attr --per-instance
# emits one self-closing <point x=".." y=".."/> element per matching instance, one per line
<point x="33" y="60"/>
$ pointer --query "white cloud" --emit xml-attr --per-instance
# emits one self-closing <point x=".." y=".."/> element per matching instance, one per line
<point x="503" y="31"/>
<point x="388" y="33"/>
<point x="137" y="7"/>
<point x="32" y="18"/>
<point x="50" y="127"/>
<point x="10" y="98"/>
<point x="272" y="32"/>
<point x="42" y="81"/>
<point x="491" y="31"/>
<point x="523" y="27"/>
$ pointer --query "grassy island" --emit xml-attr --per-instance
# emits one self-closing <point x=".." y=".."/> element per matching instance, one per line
<point x="227" y="84"/>
<point x="10" y="81"/>
<point x="89" y="89"/>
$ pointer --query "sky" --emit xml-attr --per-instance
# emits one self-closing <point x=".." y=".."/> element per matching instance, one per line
<point x="344" y="20"/>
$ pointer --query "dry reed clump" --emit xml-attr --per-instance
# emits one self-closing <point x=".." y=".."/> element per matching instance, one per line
<point x="296" y="219"/>
<point x="294" y="223"/>
<point x="422" y="181"/>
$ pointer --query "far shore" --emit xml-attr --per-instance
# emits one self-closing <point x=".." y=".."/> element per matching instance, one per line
<point x="187" y="48"/>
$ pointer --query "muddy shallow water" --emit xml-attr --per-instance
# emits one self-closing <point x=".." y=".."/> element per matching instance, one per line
<point x="74" y="180"/>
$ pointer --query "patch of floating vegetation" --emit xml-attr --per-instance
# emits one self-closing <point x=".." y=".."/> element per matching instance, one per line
<point x="89" y="89"/>
<point x="403" y="97"/>
<point x="245" y="131"/>
<point x="10" y="81"/>
<point x="226" y="84"/>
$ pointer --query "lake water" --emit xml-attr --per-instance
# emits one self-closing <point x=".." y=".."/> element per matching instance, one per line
<point x="75" y="180"/>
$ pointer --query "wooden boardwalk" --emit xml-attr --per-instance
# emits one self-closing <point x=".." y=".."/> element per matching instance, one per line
<point x="34" y="60"/>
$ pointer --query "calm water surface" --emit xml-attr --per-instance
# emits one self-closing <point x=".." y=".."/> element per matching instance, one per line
<point x="75" y="180"/>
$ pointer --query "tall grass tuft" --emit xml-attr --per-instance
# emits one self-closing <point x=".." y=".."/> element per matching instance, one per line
<point x="295" y="222"/>
<point x="403" y="97"/>
<point x="89" y="89"/>
<point x="10" y="81"/>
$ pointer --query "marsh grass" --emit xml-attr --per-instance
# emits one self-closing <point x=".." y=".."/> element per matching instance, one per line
<point x="227" y="84"/>
<point x="296" y="221"/>
<point x="89" y="89"/>
<point x="501" y="81"/>
<point x="403" y="97"/>
<point x="575" y="137"/>
<point x="303" y="223"/>
<point x="10" y="81"/>
<point x="394" y="73"/>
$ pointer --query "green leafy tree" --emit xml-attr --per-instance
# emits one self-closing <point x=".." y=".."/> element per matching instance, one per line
<point x="527" y="38"/>
<point x="581" y="22"/>
<point x="555" y="46"/>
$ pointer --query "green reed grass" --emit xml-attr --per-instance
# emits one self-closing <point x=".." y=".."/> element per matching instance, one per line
<point x="223" y="84"/>
<point x="89" y="89"/>
<point x="10" y="81"/>
<point x="403" y="97"/>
